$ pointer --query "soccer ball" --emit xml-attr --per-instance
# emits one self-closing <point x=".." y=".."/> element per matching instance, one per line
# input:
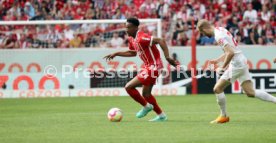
<point x="115" y="115"/>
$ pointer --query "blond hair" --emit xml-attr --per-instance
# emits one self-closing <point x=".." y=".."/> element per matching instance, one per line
<point x="203" y="23"/>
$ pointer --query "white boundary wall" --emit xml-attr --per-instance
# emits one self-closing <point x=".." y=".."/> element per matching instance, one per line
<point x="31" y="63"/>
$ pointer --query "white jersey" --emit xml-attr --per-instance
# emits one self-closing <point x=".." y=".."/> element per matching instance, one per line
<point x="223" y="37"/>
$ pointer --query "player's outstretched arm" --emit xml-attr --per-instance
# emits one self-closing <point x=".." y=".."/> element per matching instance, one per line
<point x="165" y="49"/>
<point x="129" y="53"/>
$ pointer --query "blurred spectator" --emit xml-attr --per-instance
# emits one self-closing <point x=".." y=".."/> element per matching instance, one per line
<point x="201" y="8"/>
<point x="116" y="41"/>
<point x="41" y="35"/>
<point x="53" y="37"/>
<point x="250" y="13"/>
<point x="148" y="5"/>
<point x="233" y="26"/>
<point x="184" y="13"/>
<point x="239" y="39"/>
<point x="16" y="10"/>
<point x="118" y="15"/>
<point x="9" y="42"/>
<point x="143" y="14"/>
<point x="178" y="29"/>
<point x="224" y="13"/>
<point x="138" y="3"/>
<point x="265" y="14"/>
<point x="122" y="6"/>
<point x="102" y="43"/>
<point x="182" y="39"/>
<point x="2" y="12"/>
<point x="69" y="15"/>
<point x="253" y="36"/>
<point x="209" y="14"/>
<point x="45" y="7"/>
<point x="68" y="36"/>
<point x="187" y="31"/>
<point x="256" y="4"/>
<point x="162" y="9"/>
<point x="24" y="41"/>
<point x="29" y="10"/>
<point x="95" y="14"/>
<point x="246" y="26"/>
<point x="90" y="41"/>
<point x="76" y="41"/>
<point x="220" y="22"/>
<point x="38" y="16"/>
<point x="152" y="13"/>
<point x="78" y="15"/>
<point x="268" y="34"/>
<point x="68" y="33"/>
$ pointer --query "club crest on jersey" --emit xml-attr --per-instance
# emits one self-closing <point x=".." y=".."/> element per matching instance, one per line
<point x="221" y="41"/>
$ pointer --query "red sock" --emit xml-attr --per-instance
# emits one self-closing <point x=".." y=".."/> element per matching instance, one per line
<point x="152" y="101"/>
<point x="134" y="93"/>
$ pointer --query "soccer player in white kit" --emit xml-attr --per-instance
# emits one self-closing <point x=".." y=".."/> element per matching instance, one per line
<point x="234" y="67"/>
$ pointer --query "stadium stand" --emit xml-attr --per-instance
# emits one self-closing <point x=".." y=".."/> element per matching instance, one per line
<point x="250" y="21"/>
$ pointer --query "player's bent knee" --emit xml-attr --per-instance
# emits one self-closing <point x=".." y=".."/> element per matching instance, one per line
<point x="217" y="90"/>
<point x="128" y="87"/>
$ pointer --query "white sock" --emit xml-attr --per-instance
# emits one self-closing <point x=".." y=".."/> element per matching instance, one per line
<point x="221" y="99"/>
<point x="265" y="96"/>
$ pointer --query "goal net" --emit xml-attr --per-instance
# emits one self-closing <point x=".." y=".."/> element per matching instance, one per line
<point x="70" y="34"/>
<point x="68" y="51"/>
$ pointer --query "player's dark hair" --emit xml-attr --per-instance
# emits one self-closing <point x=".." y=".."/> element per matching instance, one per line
<point x="133" y="21"/>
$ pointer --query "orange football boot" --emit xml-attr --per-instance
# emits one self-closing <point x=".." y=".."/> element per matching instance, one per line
<point x="220" y="120"/>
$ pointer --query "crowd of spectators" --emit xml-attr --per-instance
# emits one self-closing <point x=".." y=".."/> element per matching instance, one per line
<point x="250" y="21"/>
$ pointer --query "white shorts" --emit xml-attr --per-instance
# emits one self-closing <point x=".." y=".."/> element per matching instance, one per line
<point x="233" y="74"/>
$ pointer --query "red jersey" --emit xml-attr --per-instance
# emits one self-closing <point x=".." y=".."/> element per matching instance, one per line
<point x="148" y="52"/>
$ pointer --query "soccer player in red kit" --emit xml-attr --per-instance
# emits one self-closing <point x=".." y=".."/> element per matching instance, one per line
<point x="145" y="45"/>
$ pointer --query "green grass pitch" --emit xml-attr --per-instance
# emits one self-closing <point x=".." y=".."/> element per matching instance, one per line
<point x="84" y="120"/>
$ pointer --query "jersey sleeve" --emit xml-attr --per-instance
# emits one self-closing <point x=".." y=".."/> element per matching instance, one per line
<point x="222" y="41"/>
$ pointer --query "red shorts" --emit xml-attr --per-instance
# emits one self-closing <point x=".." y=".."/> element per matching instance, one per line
<point x="147" y="76"/>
